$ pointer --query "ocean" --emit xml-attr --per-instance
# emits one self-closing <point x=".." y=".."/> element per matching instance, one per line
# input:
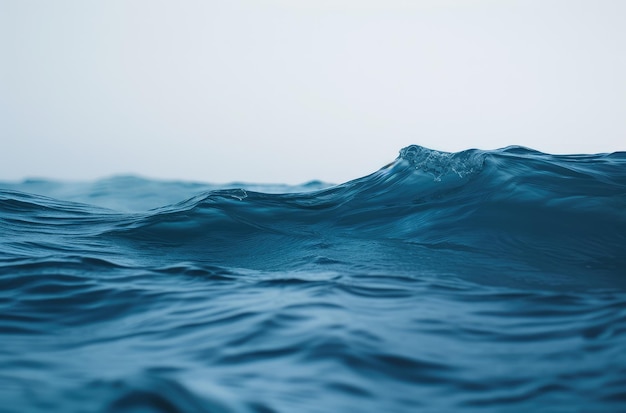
<point x="477" y="281"/>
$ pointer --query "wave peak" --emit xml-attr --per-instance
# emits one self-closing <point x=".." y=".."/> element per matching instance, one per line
<point x="439" y="164"/>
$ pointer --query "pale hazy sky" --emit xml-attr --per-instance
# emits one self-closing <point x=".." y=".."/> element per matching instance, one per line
<point x="288" y="91"/>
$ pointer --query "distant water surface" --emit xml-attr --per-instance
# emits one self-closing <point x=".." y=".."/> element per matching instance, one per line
<point x="477" y="281"/>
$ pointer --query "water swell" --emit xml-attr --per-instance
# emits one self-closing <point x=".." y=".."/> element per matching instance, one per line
<point x="513" y="204"/>
<point x="545" y="211"/>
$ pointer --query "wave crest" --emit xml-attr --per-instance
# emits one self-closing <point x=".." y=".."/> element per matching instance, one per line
<point x="439" y="163"/>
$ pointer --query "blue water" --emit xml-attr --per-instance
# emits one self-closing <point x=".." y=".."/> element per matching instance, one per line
<point x="478" y="281"/>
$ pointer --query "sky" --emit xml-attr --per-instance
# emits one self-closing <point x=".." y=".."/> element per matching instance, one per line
<point x="286" y="91"/>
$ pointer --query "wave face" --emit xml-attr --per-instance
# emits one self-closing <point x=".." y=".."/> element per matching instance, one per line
<point x="474" y="281"/>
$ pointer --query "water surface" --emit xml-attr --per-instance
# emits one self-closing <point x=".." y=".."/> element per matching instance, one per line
<point x="478" y="281"/>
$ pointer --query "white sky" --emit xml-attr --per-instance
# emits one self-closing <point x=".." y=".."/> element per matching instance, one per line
<point x="288" y="91"/>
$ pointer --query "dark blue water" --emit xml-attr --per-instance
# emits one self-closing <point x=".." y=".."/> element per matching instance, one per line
<point x="479" y="281"/>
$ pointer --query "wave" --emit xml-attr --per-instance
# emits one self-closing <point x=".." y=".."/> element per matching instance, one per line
<point x="560" y="213"/>
<point x="556" y="213"/>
